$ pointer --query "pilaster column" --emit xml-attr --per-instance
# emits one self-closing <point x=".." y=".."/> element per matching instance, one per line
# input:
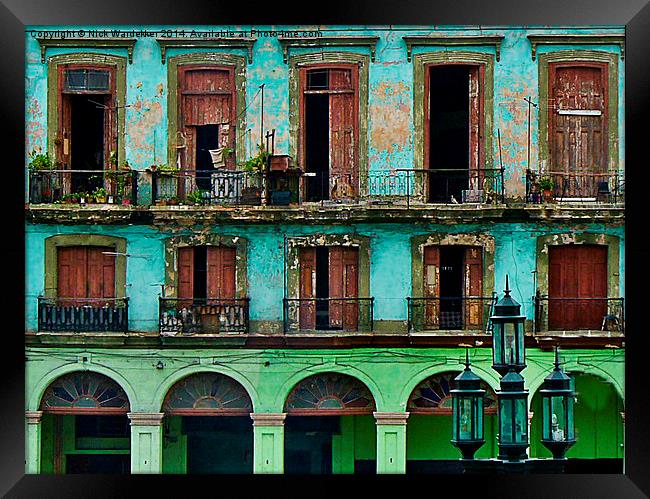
<point x="33" y="442"/>
<point x="268" y="442"/>
<point x="146" y="442"/>
<point x="391" y="442"/>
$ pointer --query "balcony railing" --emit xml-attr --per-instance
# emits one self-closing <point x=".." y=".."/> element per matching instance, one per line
<point x="87" y="186"/>
<point x="328" y="314"/>
<point x="467" y="313"/>
<point x="187" y="316"/>
<point x="579" y="314"/>
<point x="83" y="315"/>
<point x="576" y="186"/>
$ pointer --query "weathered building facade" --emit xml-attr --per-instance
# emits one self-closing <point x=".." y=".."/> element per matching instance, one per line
<point x="195" y="305"/>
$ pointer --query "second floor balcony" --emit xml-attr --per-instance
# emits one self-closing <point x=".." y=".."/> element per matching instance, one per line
<point x="83" y="315"/>
<point x="196" y="316"/>
<point x="328" y="314"/>
<point x="464" y="313"/>
<point x="559" y="315"/>
<point x="578" y="186"/>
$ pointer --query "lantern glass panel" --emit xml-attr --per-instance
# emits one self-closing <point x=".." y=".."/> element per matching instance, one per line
<point x="496" y="340"/>
<point x="465" y="420"/>
<point x="506" y="407"/>
<point x="478" y="404"/>
<point x="509" y="343"/>
<point x="570" y="430"/>
<point x="558" y="419"/>
<point x="520" y="420"/>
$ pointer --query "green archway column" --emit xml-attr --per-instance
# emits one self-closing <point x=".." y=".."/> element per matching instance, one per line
<point x="33" y="442"/>
<point x="146" y="442"/>
<point x="391" y="442"/>
<point x="268" y="443"/>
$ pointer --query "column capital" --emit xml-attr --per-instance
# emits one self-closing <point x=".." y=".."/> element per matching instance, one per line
<point x="146" y="418"/>
<point x="33" y="417"/>
<point x="391" y="418"/>
<point x="268" y="419"/>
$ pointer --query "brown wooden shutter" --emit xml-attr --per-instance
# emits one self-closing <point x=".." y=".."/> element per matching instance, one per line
<point x="186" y="273"/>
<point x="221" y="272"/>
<point x="578" y="142"/>
<point x="577" y="271"/>
<point x="336" y="286"/>
<point x="474" y="128"/>
<point x="308" y="288"/>
<point x="351" y="288"/>
<point x="431" y="286"/>
<point x="85" y="272"/>
<point x="343" y="133"/>
<point x="473" y="281"/>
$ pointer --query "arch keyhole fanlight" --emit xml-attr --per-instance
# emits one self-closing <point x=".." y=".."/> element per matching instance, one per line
<point x="433" y="395"/>
<point x="207" y="394"/>
<point x="330" y="394"/>
<point x="85" y="392"/>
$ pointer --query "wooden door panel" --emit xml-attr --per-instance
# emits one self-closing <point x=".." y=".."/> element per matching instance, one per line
<point x="186" y="274"/>
<point x="431" y="286"/>
<point x="473" y="280"/>
<point x="307" y="306"/>
<point x="221" y="272"/>
<point x="336" y="286"/>
<point x="351" y="289"/>
<point x="575" y="272"/>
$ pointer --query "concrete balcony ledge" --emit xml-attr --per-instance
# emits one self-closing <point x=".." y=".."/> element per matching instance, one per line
<point x="363" y="211"/>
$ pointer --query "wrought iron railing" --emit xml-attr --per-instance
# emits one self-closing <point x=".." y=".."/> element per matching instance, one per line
<point x="579" y="314"/>
<point x="577" y="186"/>
<point x="466" y="313"/>
<point x="180" y="316"/>
<point x="83" y="315"/>
<point x="83" y="186"/>
<point x="328" y="314"/>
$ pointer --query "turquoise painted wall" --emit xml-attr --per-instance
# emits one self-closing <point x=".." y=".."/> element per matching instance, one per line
<point x="390" y="93"/>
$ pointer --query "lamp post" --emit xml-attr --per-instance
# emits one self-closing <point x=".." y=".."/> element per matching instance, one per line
<point x="513" y="418"/>
<point x="558" y="426"/>
<point x="508" y="352"/>
<point x="468" y="432"/>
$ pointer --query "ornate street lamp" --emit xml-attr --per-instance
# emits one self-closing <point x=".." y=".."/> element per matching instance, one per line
<point x="513" y="418"/>
<point x="558" y="431"/>
<point x="467" y="398"/>
<point x="508" y="353"/>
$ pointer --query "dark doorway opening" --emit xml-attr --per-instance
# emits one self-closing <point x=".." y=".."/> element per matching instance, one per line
<point x="105" y="464"/>
<point x="219" y="444"/>
<point x="322" y="287"/>
<point x="449" y="124"/>
<point x="434" y="466"/>
<point x="207" y="138"/>
<point x="87" y="142"/>
<point x="200" y="272"/>
<point x="308" y="444"/>
<point x="451" y="286"/>
<point x="317" y="142"/>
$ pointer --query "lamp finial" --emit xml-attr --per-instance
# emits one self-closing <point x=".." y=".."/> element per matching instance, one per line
<point x="507" y="290"/>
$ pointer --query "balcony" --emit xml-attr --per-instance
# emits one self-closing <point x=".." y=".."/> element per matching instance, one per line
<point x="83" y="315"/>
<point x="575" y="187"/>
<point x="328" y="314"/>
<point x="584" y="315"/>
<point x="83" y="186"/>
<point x="467" y="313"/>
<point x="203" y="316"/>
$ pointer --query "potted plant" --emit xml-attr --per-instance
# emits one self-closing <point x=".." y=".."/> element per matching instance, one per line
<point x="196" y="197"/>
<point x="546" y="185"/>
<point x="173" y="201"/>
<point x="39" y="161"/>
<point x="126" y="202"/>
<point x="100" y="195"/>
<point x="252" y="194"/>
<point x="83" y="197"/>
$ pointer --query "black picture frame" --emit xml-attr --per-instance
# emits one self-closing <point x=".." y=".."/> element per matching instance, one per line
<point x="634" y="14"/>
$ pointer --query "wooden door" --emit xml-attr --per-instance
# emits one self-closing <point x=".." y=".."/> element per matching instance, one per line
<point x="431" y="287"/>
<point x="475" y="129"/>
<point x="307" y="305"/>
<point x="185" y="291"/>
<point x="343" y="167"/>
<point x="578" y="128"/>
<point x="84" y="272"/>
<point x="577" y="271"/>
<point x="473" y="288"/>
<point x="344" y="283"/>
<point x="221" y="272"/>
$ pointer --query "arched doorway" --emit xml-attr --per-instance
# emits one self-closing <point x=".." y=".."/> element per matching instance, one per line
<point x="329" y="426"/>
<point x="85" y="427"/>
<point x="197" y="442"/>
<point x="599" y="427"/>
<point x="429" y="428"/>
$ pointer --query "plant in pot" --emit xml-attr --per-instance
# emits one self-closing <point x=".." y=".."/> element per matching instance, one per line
<point x="83" y="197"/>
<point x="196" y="197"/>
<point x="546" y="185"/>
<point x="100" y="195"/>
<point x="252" y="193"/>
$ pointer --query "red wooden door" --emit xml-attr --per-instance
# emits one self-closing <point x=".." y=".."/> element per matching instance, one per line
<point x="85" y="272"/>
<point x="578" y="127"/>
<point x="575" y="272"/>
<point x="343" y="283"/>
<point x="473" y="283"/>
<point x="221" y="272"/>
<point x="185" y="290"/>
<point x="206" y="97"/>
<point x="475" y="128"/>
<point x="307" y="305"/>
<point x="343" y="167"/>
<point x="431" y="287"/>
